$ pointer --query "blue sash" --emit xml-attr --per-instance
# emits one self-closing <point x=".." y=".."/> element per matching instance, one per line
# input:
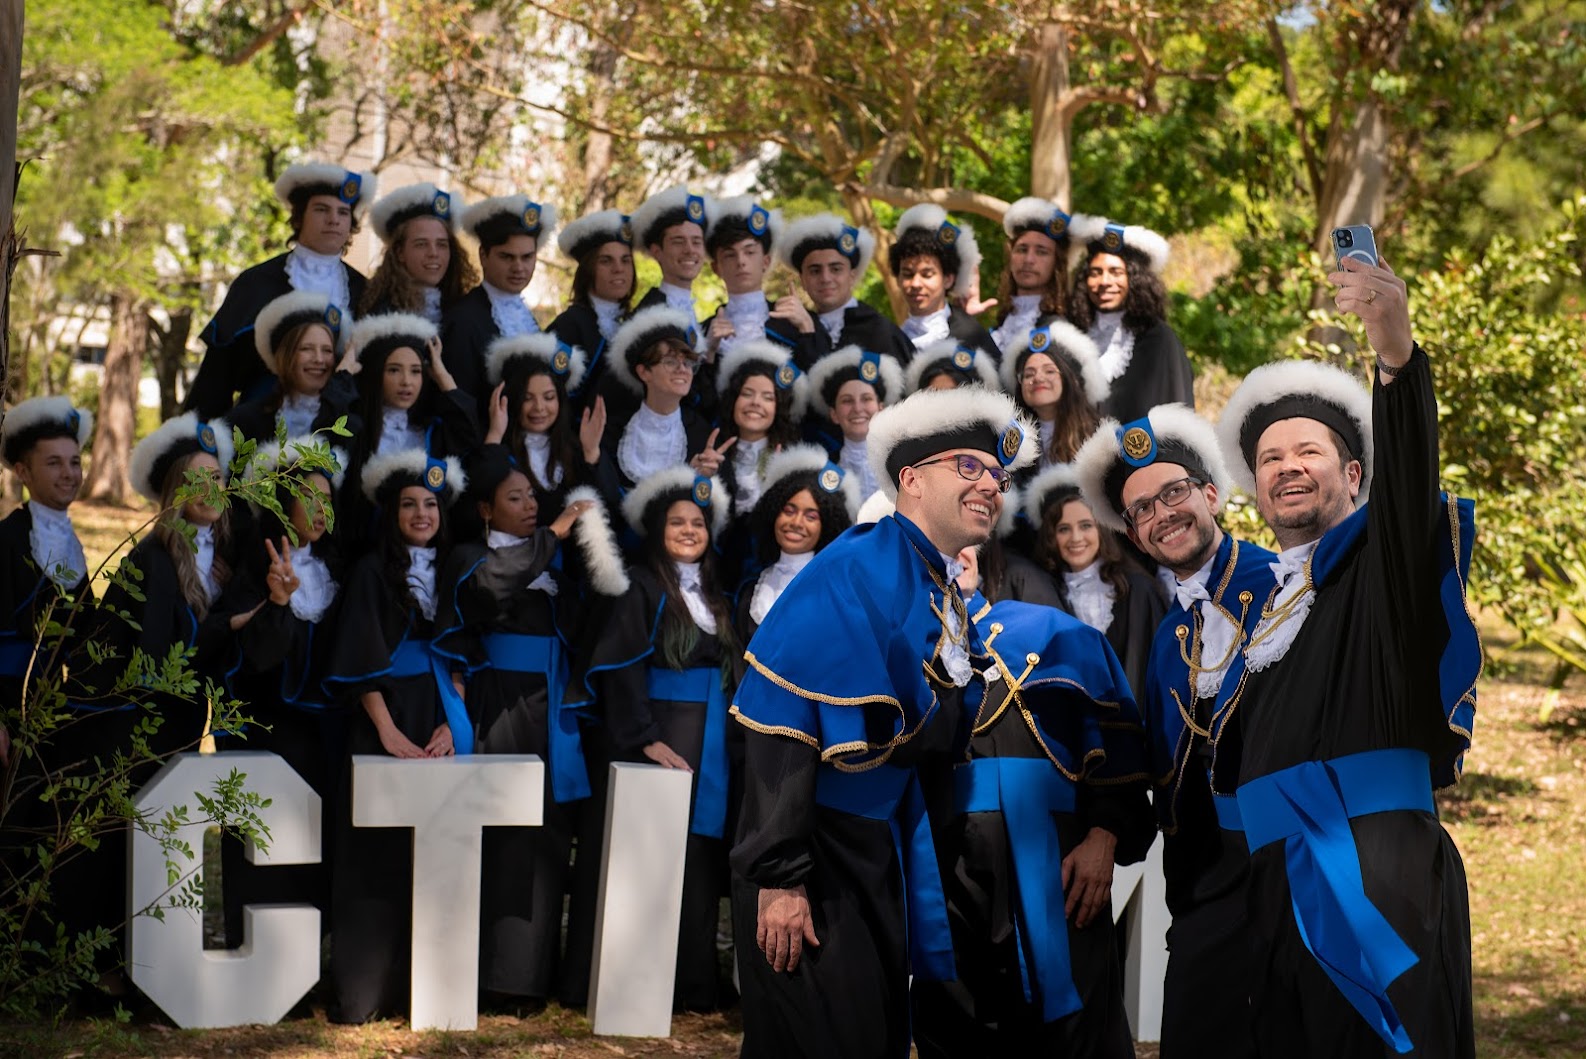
<point x="1227" y="806"/>
<point x="416" y="658"/>
<point x="893" y="794"/>
<point x="1308" y="807"/>
<point x="15" y="656"/>
<point x="1026" y="791"/>
<point x="520" y="653"/>
<point x="701" y="684"/>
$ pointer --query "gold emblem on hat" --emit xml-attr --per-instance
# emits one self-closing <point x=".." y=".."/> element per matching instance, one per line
<point x="1012" y="438"/>
<point x="757" y="220"/>
<point x="963" y="359"/>
<point x="846" y="243"/>
<point x="702" y="492"/>
<point x="442" y="205"/>
<point x="625" y="232"/>
<point x="559" y="362"/>
<point x="785" y="375"/>
<point x="947" y="233"/>
<point x="1112" y="240"/>
<point x="830" y="479"/>
<point x="350" y="188"/>
<point x="531" y="216"/>
<point x="868" y="371"/>
<point x="333" y="316"/>
<point x="696" y="208"/>
<point x="1136" y="443"/>
<point x="435" y="477"/>
<point x="1039" y="340"/>
<point x="1057" y="225"/>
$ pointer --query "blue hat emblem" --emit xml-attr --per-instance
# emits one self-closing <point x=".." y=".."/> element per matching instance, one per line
<point x="441" y="206"/>
<point x="696" y="209"/>
<point x="1040" y="338"/>
<point x="206" y="439"/>
<point x="351" y="188"/>
<point x="848" y="243"/>
<point x="830" y="479"/>
<point x="333" y="318"/>
<point x="1112" y="238"/>
<point x="1008" y="447"/>
<point x="963" y="358"/>
<point x="563" y="358"/>
<point x="701" y="491"/>
<point x="1057" y="224"/>
<point x="531" y="216"/>
<point x="1137" y="443"/>
<point x="625" y="231"/>
<point x="947" y="234"/>
<point x="759" y="219"/>
<point x="435" y="475"/>
<point x="74" y="420"/>
<point x="787" y="375"/>
<point x="869" y="367"/>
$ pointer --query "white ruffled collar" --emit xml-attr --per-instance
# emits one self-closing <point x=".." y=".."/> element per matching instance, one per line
<point x="774" y="581"/>
<point x="688" y="581"/>
<point x="421" y="578"/>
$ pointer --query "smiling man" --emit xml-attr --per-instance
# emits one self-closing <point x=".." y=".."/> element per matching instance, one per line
<point x="831" y="258"/>
<point x="1162" y="480"/>
<point x="510" y="229"/>
<point x="1353" y="698"/>
<point x="859" y="698"/>
<point x="670" y="226"/>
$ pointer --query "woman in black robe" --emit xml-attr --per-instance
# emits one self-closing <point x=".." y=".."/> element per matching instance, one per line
<point x="300" y="338"/>
<point x="285" y="651"/>
<point x="603" y="286"/>
<point x="664" y="688"/>
<point x="519" y="616"/>
<point x="383" y="670"/>
<point x="1054" y="375"/>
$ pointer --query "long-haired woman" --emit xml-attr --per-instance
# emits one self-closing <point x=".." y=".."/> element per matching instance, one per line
<point x="423" y="270"/>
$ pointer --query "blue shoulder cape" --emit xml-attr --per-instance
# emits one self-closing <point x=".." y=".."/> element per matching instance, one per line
<point x="844" y="660"/>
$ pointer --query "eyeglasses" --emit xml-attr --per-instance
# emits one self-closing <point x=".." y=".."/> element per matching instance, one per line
<point x="679" y="360"/>
<point x="1172" y="495"/>
<point x="970" y="469"/>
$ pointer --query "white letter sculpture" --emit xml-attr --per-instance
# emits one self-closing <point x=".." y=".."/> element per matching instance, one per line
<point x="279" y="959"/>
<point x="447" y="802"/>
<point x="641" y="900"/>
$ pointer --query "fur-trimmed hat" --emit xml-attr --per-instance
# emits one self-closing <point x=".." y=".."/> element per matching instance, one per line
<point x="37" y="418"/>
<point x="1168" y="433"/>
<point x="665" y="209"/>
<point x="525" y="355"/>
<point x="741" y="218"/>
<point x="398" y="470"/>
<point x="877" y="506"/>
<point x="597" y="543"/>
<point x="414" y="200"/>
<point x="1031" y="214"/>
<point x="268" y="459"/>
<point x="495" y="220"/>
<point x="953" y="244"/>
<point x="664" y="488"/>
<point x="934" y="421"/>
<point x="880" y="370"/>
<point x="175" y="439"/>
<point x="962" y="361"/>
<point x="595" y="230"/>
<point x="1089" y="236"/>
<point x="763" y="357"/>
<point x="376" y="337"/>
<point x="1058" y="483"/>
<point x="792" y="470"/>
<point x="826" y="231"/>
<point x="1296" y="389"/>
<point x="641" y="331"/>
<point x="304" y="180"/>
<point x="1057" y="338"/>
<point x="293" y="310"/>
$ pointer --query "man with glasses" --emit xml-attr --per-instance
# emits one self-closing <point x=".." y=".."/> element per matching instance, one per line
<point x="1162" y="479"/>
<point x="653" y="359"/>
<point x="859" y="698"/>
<point x="1353" y="699"/>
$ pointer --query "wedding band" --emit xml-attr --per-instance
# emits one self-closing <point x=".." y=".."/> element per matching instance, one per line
<point x="1372" y="296"/>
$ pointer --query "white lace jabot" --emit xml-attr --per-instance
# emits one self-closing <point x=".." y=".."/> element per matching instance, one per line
<point x="652" y="442"/>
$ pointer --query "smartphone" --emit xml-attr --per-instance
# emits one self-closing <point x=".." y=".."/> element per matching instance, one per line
<point x="1356" y="241"/>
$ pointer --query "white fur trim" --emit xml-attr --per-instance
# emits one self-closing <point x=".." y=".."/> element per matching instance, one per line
<point x="741" y="207"/>
<point x="406" y="198"/>
<point x="634" y="332"/>
<point x="1070" y="341"/>
<point x="1295" y="378"/>
<point x="1044" y="485"/>
<point x="1083" y="229"/>
<point x="598" y="544"/>
<point x="311" y="174"/>
<point x="38" y="410"/>
<point x="661" y="203"/>
<point x="146" y="453"/>
<point x="606" y="225"/>
<point x="373" y="329"/>
<point x="935" y="411"/>
<point x="931" y="217"/>
<point x="513" y="205"/>
<point x="300" y="302"/>
<point x="1008" y="516"/>
<point x="541" y="347"/>
<point x="1096" y="458"/>
<point x="681" y="478"/>
<point x="1030" y="211"/>
<point x="414" y="462"/>
<point x="808" y="459"/>
<point x="1149" y="243"/>
<point x="826" y="228"/>
<point x="875" y="508"/>
<point x="266" y="459"/>
<point x="984" y="366"/>
<point x="762" y="349"/>
<point x="891" y="379"/>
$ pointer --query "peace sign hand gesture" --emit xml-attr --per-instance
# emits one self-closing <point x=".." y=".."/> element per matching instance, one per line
<point x="281" y="578"/>
<point x="710" y="459"/>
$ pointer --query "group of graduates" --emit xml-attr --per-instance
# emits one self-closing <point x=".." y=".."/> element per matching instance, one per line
<point x="932" y="613"/>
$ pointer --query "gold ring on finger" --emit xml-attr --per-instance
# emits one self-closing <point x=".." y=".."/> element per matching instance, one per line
<point x="1372" y="296"/>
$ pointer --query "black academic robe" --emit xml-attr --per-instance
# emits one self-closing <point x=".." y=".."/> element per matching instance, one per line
<point x="696" y="431"/>
<point x="1134" y="622"/>
<point x="969" y="331"/>
<point x="1363" y="675"/>
<point x="283" y="662"/>
<point x="231" y="365"/>
<point x="863" y="326"/>
<point x="523" y="869"/>
<point x="629" y="646"/>
<point x="256" y="418"/>
<point x="466" y="334"/>
<point x="806" y="347"/>
<point x="372" y="867"/>
<point x="579" y="327"/>
<point x="1158" y="373"/>
<point x="1025" y="581"/>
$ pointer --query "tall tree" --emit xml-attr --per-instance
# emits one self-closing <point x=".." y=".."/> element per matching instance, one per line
<point x="10" y="82"/>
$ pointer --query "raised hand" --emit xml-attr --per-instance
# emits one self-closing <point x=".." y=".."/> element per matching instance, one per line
<point x="498" y="415"/>
<point x="281" y="579"/>
<point x="1379" y="298"/>
<point x="720" y="328"/>
<point x="437" y="366"/>
<point x="570" y="514"/>
<point x="591" y="429"/>
<point x="790" y="308"/>
<point x="710" y="459"/>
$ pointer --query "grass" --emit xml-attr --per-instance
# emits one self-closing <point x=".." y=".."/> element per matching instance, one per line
<point x="1515" y="818"/>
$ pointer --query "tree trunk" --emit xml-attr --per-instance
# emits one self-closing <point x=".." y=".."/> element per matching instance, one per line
<point x="169" y="356"/>
<point x="10" y="87"/>
<point x="598" y="147"/>
<point x="1049" y="120"/>
<point x="118" y="400"/>
<point x="864" y="215"/>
